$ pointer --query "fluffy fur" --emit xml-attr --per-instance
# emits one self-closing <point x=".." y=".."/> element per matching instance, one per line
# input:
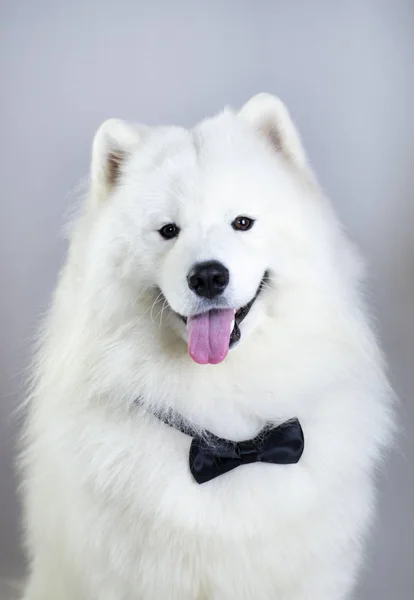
<point x="111" y="509"/>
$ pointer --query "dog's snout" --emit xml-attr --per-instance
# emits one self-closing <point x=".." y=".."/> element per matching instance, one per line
<point x="208" y="279"/>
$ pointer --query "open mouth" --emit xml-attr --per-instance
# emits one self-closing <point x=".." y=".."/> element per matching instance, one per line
<point x="212" y="333"/>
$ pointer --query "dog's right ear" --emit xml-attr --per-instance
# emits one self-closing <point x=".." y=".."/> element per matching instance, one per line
<point x="114" y="142"/>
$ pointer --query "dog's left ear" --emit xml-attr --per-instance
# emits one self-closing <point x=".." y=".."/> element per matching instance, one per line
<point x="271" y="118"/>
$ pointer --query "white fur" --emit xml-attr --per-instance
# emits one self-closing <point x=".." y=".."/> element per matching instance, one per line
<point x="112" y="512"/>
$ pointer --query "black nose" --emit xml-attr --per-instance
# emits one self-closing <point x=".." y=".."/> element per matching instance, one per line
<point x="208" y="279"/>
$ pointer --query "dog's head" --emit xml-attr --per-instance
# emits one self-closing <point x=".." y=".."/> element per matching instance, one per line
<point x="208" y="218"/>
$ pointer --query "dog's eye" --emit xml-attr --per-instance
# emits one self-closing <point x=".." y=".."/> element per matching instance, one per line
<point x="169" y="231"/>
<point x="242" y="223"/>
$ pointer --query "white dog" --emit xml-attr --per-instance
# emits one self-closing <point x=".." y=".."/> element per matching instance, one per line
<point x="209" y="297"/>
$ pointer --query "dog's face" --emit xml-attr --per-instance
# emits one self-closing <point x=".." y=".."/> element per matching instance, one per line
<point x="208" y="219"/>
<point x="205" y="237"/>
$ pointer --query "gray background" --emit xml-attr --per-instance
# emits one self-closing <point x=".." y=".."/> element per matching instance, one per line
<point x="345" y="69"/>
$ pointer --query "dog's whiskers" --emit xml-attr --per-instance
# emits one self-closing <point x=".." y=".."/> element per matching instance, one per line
<point x="160" y="312"/>
<point x="143" y="291"/>
<point x="157" y="299"/>
<point x="164" y="306"/>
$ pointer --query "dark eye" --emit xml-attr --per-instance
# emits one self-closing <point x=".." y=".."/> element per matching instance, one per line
<point x="169" y="231"/>
<point x="242" y="223"/>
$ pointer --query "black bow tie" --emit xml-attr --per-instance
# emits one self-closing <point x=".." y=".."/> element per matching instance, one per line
<point x="211" y="456"/>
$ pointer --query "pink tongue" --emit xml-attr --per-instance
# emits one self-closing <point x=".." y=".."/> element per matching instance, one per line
<point x="209" y="336"/>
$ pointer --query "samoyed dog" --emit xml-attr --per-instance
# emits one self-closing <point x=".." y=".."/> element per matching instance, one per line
<point x="209" y="403"/>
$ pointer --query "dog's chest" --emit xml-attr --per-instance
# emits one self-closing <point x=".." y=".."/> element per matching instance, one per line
<point x="233" y="401"/>
<point x="246" y="501"/>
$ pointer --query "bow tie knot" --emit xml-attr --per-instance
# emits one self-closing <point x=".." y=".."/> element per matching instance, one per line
<point x="248" y="452"/>
<point x="212" y="456"/>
